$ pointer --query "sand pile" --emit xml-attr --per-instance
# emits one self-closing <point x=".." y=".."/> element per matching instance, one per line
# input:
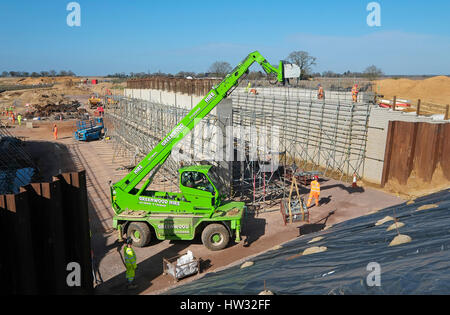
<point x="433" y="90"/>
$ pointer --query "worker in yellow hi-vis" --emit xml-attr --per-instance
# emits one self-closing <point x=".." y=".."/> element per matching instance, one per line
<point x="19" y="119"/>
<point x="248" y="87"/>
<point x="130" y="262"/>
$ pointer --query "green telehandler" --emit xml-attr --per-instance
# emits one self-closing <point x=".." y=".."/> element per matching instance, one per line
<point x="201" y="207"/>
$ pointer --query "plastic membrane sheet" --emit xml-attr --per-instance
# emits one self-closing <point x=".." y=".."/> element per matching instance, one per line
<point x="11" y="181"/>
<point x="353" y="248"/>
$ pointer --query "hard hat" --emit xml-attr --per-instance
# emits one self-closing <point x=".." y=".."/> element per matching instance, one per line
<point x="316" y="177"/>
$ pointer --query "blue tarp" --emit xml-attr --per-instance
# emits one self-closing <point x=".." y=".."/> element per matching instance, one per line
<point x="419" y="267"/>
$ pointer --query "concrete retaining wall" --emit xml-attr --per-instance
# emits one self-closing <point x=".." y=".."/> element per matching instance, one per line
<point x="334" y="133"/>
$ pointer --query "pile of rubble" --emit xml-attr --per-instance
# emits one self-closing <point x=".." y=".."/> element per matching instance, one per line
<point x="54" y="106"/>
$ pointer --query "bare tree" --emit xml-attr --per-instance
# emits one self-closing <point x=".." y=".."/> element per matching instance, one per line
<point x="372" y="72"/>
<point x="304" y="60"/>
<point x="220" y="68"/>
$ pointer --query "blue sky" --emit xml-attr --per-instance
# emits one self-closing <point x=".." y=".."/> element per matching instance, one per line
<point x="175" y="35"/>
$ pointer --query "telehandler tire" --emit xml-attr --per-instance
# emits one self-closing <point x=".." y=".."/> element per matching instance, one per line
<point x="139" y="233"/>
<point x="215" y="237"/>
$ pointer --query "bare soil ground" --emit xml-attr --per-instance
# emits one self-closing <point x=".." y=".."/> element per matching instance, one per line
<point x="260" y="232"/>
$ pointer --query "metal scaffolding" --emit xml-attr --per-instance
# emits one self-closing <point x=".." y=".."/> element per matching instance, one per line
<point x="327" y="135"/>
<point x="17" y="168"/>
<point x="137" y="126"/>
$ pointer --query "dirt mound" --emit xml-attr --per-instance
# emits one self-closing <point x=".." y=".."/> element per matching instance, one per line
<point x="433" y="90"/>
<point x="45" y="80"/>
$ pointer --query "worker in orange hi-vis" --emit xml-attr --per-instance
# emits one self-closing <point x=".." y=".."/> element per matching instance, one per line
<point x="320" y="93"/>
<point x="55" y="131"/>
<point x="315" y="191"/>
<point x="13" y="117"/>
<point x="355" y="93"/>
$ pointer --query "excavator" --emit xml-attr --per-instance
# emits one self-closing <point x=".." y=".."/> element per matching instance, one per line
<point x="202" y="207"/>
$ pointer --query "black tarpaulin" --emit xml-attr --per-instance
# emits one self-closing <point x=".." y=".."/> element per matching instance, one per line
<point x="419" y="267"/>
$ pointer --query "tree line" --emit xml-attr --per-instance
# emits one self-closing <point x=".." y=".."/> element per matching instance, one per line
<point x="219" y="69"/>
<point x="306" y="62"/>
<point x="51" y="73"/>
<point x="303" y="59"/>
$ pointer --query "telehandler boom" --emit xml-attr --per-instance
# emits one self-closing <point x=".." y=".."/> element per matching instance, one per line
<point x="201" y="206"/>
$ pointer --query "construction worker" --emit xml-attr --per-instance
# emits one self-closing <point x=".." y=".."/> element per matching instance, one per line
<point x="55" y="132"/>
<point x="315" y="191"/>
<point x="320" y="93"/>
<point x="13" y="117"/>
<point x="248" y="87"/>
<point x="355" y="93"/>
<point x="130" y="262"/>
<point x="19" y="119"/>
<point x="100" y="111"/>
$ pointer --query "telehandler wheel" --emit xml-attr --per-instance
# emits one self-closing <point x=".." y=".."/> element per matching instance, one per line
<point x="215" y="237"/>
<point x="139" y="233"/>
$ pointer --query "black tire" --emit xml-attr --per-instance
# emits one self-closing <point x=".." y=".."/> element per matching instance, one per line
<point x="215" y="237"/>
<point x="143" y="236"/>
